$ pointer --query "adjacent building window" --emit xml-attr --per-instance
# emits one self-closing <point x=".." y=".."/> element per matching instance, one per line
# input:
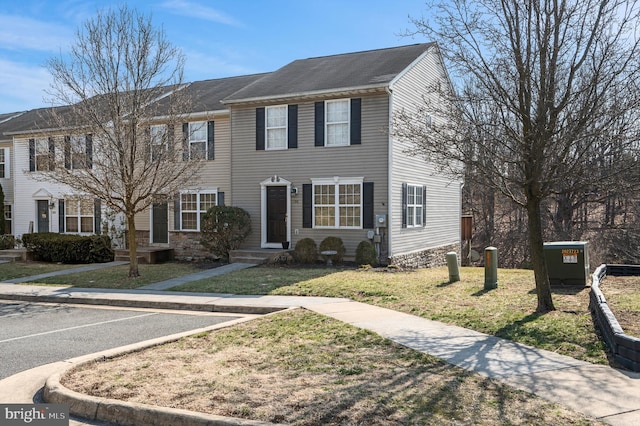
<point x="42" y="154"/>
<point x="193" y="206"/>
<point x="8" y="219"/>
<point x="78" y="146"/>
<point x="4" y="163"/>
<point x="276" y="127"/>
<point x="158" y="135"/>
<point x="198" y="140"/>
<point x="337" y="203"/>
<point x="415" y="205"/>
<point x="337" y="122"/>
<point x="79" y="215"/>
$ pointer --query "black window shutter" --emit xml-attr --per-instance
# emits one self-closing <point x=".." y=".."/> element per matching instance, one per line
<point x="185" y="141"/>
<point x="221" y="198"/>
<point x="61" y="218"/>
<point x="67" y="152"/>
<point x="260" y="129"/>
<point x="307" y="205"/>
<point x="319" y="124"/>
<point x="32" y="155"/>
<point x="176" y="213"/>
<point x="89" y="150"/>
<point x="171" y="136"/>
<point x="424" y="205"/>
<point x="404" y="205"/>
<point x="97" y="216"/>
<point x="292" y="130"/>
<point x="210" y="140"/>
<point x="356" y="121"/>
<point x="52" y="154"/>
<point x="367" y="205"/>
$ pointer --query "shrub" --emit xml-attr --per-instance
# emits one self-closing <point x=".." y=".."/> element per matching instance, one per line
<point x="334" y="243"/>
<point x="224" y="228"/>
<point x="66" y="248"/>
<point x="7" y="242"/>
<point x="306" y="251"/>
<point x="366" y="254"/>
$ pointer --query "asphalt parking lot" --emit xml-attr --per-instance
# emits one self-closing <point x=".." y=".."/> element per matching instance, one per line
<point x="33" y="334"/>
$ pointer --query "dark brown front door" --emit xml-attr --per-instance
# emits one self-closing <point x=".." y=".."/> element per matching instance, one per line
<point x="276" y="214"/>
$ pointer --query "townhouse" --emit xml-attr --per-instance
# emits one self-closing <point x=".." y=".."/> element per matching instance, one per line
<point x="307" y="150"/>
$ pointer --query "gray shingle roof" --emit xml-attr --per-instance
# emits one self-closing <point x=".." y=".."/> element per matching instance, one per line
<point x="346" y="71"/>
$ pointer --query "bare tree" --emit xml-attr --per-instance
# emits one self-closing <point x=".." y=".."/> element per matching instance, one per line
<point x="543" y="84"/>
<point x="120" y="79"/>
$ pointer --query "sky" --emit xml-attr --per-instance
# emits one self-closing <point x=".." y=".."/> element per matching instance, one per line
<point x="220" y="38"/>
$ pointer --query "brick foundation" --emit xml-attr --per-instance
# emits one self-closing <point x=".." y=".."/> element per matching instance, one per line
<point x="428" y="258"/>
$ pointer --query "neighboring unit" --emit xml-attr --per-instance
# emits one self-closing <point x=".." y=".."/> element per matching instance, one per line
<point x="307" y="150"/>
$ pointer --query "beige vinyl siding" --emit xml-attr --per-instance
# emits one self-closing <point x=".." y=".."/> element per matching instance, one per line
<point x="442" y="225"/>
<point x="213" y="174"/>
<point x="299" y="165"/>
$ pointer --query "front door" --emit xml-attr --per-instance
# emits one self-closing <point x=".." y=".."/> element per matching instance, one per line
<point x="276" y="214"/>
<point x="43" y="216"/>
<point x="160" y="223"/>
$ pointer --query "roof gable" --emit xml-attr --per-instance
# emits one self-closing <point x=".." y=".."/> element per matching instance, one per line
<point x="373" y="68"/>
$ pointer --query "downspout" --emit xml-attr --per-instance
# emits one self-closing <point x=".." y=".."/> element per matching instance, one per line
<point x="460" y="225"/>
<point x="390" y="221"/>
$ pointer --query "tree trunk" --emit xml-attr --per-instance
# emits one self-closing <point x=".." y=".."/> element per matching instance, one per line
<point x="536" y="245"/>
<point x="133" y="257"/>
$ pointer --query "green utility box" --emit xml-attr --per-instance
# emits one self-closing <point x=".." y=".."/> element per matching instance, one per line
<point x="567" y="262"/>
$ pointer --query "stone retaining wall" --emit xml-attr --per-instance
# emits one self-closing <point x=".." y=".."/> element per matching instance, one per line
<point x="428" y="258"/>
<point x="625" y="349"/>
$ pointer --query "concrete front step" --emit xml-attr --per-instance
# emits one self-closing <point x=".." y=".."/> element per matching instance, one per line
<point x="147" y="255"/>
<point x="255" y="256"/>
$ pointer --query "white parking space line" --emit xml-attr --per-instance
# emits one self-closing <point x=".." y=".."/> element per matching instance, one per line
<point x="77" y="327"/>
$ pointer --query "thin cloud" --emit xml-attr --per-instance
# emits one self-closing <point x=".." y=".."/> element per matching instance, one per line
<point x="194" y="10"/>
<point x="22" y="86"/>
<point x="18" y="32"/>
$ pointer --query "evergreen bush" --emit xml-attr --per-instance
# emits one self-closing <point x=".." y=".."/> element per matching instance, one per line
<point x="224" y="228"/>
<point x="67" y="248"/>
<point x="366" y="254"/>
<point x="306" y="251"/>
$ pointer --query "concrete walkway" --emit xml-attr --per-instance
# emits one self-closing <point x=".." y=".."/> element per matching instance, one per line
<point x="214" y="272"/>
<point x="610" y="395"/>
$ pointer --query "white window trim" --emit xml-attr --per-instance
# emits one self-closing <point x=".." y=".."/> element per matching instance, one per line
<point x="199" y="208"/>
<point x="79" y="216"/>
<point x="39" y="141"/>
<point x="193" y="141"/>
<point x="419" y="189"/>
<point x="327" y="123"/>
<point x="6" y="164"/>
<point x="267" y="128"/>
<point x="337" y="181"/>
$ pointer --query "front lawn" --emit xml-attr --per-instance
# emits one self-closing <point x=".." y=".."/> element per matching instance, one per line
<point x="508" y="311"/>
<point x="13" y="270"/>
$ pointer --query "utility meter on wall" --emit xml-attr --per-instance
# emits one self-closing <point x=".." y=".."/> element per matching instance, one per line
<point x="381" y="220"/>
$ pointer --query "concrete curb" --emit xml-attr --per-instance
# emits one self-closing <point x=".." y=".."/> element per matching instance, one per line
<point x="128" y="413"/>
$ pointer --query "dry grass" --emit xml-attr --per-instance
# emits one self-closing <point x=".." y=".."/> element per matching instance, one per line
<point x="302" y="368"/>
<point x="623" y="298"/>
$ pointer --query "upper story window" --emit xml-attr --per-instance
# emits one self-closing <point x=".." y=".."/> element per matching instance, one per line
<point x="158" y="135"/>
<point x="78" y="152"/>
<point x="276" y="127"/>
<point x="198" y="140"/>
<point x="193" y="206"/>
<point x="337" y="203"/>
<point x="337" y="122"/>
<point x="4" y="163"/>
<point x="42" y="154"/>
